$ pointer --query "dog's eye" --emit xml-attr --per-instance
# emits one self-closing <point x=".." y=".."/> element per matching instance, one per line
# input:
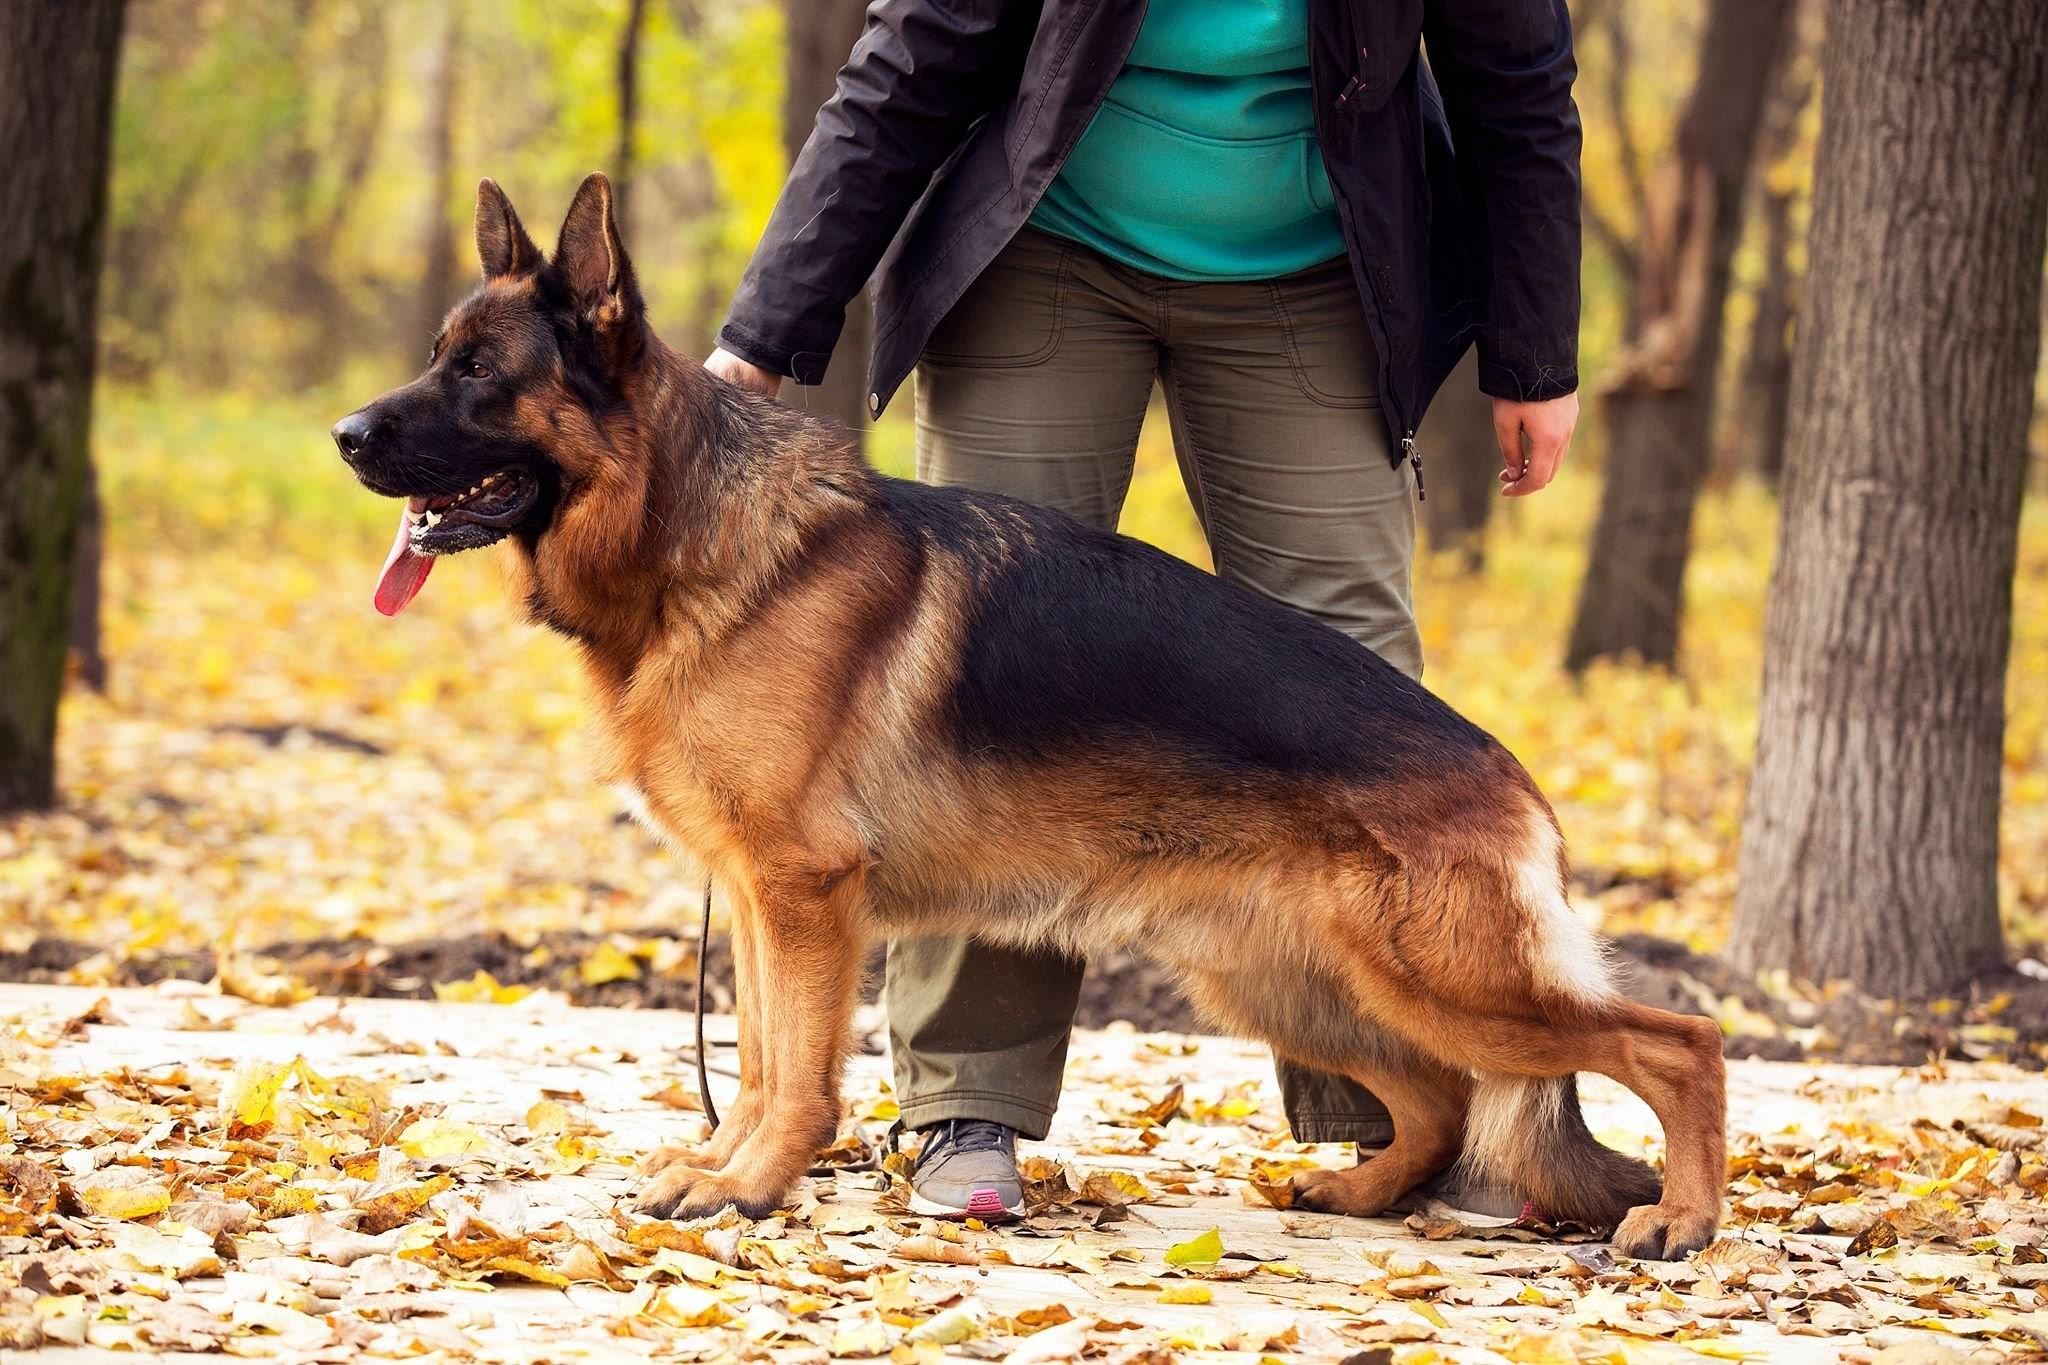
<point x="476" y="369"/>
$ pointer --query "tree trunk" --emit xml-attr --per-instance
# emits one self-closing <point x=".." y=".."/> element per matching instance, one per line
<point x="87" y="567"/>
<point x="1659" y="402"/>
<point x="821" y="35"/>
<point x="1764" y="399"/>
<point x="624" y="160"/>
<point x="690" y="189"/>
<point x="57" y="68"/>
<point x="1464" y="460"/>
<point x="310" y="290"/>
<point x="441" y="280"/>
<point x="1870" y="837"/>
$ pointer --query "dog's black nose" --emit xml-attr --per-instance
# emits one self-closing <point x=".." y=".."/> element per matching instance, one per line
<point x="352" y="434"/>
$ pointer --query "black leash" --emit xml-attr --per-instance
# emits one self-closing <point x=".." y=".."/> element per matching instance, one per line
<point x="703" y="961"/>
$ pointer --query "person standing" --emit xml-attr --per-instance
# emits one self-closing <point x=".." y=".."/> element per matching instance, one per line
<point x="1284" y="216"/>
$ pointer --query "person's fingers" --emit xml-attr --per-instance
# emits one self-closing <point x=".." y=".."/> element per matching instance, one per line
<point x="1545" y="453"/>
<point x="1546" y="449"/>
<point x="745" y="374"/>
<point x="1519" y="441"/>
<point x="1533" y="438"/>
<point x="1507" y="433"/>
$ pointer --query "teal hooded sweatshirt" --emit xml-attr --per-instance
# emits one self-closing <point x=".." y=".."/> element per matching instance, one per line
<point x="1202" y="163"/>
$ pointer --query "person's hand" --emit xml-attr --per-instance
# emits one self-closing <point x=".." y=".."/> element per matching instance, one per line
<point x="747" y="375"/>
<point x="1533" y="439"/>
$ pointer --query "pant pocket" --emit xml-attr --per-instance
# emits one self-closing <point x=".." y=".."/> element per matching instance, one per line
<point x="1012" y="314"/>
<point x="1330" y="350"/>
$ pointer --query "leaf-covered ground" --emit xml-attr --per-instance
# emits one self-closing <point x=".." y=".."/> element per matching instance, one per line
<point x="402" y="807"/>
<point x="184" y="1171"/>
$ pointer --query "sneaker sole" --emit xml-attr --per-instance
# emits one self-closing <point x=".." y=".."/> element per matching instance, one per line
<point x="985" y="1204"/>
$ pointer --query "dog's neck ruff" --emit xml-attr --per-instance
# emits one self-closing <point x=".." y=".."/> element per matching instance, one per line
<point x="724" y="491"/>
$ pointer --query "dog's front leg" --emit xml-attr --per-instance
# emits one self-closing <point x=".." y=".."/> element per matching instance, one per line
<point x="744" y="1114"/>
<point x="807" y="961"/>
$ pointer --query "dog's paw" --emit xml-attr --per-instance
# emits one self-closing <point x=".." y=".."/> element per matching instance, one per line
<point x="684" y="1194"/>
<point x="1333" y="1192"/>
<point x="693" y="1154"/>
<point x="1654" y="1233"/>
<point x="667" y="1188"/>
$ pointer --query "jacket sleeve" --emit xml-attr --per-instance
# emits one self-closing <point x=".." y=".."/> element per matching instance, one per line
<point x="922" y="72"/>
<point x="1505" y="68"/>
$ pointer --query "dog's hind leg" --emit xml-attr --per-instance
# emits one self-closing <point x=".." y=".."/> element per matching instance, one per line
<point x="1302" y="1011"/>
<point x="1524" y="1052"/>
<point x="1479" y="962"/>
<point x="1674" y="1063"/>
<point x="1526" y="1126"/>
<point x="1427" y="1102"/>
<point x="737" y="1124"/>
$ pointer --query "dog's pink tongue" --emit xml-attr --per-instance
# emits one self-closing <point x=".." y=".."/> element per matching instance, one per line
<point x="405" y="570"/>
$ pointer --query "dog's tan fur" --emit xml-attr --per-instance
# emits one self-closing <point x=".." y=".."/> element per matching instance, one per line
<point x="771" y="660"/>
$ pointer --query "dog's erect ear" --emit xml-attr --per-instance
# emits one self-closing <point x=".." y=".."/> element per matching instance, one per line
<point x="501" y="240"/>
<point x="591" y="259"/>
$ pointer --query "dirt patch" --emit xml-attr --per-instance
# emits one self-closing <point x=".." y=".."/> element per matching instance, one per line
<point x="2002" y="1015"/>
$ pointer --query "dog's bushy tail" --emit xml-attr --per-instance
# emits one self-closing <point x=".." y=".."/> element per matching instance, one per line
<point x="1528" y="1134"/>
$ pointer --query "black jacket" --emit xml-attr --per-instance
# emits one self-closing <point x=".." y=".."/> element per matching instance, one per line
<point x="952" y="116"/>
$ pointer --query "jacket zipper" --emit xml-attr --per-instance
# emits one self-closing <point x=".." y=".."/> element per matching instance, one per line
<point x="1370" y="291"/>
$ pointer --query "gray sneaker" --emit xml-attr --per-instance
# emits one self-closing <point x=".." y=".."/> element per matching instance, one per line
<point x="967" y="1169"/>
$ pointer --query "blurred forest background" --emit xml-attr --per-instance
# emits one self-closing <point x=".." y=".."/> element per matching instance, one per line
<point x="248" y="758"/>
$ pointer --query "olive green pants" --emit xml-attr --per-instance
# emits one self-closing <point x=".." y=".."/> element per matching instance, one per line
<point x="1035" y="385"/>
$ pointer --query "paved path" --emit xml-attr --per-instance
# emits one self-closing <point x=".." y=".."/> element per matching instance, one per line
<point x="533" y="1113"/>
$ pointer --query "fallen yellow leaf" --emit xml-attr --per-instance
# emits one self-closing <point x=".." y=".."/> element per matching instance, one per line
<point x="480" y="989"/>
<point x="607" y="963"/>
<point x="125" y="1201"/>
<point x="388" y="1210"/>
<point x="248" y="1102"/>
<point x="547" y="1119"/>
<point x="427" y="1139"/>
<point x="1197" y="1253"/>
<point x="860" y="1339"/>
<point x="935" y="1250"/>
<point x="519" y="1268"/>
<point x="685" y="1305"/>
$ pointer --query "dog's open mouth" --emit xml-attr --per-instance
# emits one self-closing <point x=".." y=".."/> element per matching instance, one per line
<point x="487" y="512"/>
<point x="449" y="523"/>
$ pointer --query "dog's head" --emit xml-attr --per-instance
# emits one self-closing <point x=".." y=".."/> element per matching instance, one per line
<point x="504" y="429"/>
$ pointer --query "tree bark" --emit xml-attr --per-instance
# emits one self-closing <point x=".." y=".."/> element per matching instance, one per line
<point x="441" y="280"/>
<point x="57" y="69"/>
<point x="821" y="36"/>
<point x="87" y="568"/>
<point x="689" y="186"/>
<point x="1870" y="837"/>
<point x="309" y="289"/>
<point x="625" y="160"/>
<point x="1464" y="460"/>
<point x="1764" y="401"/>
<point x="1659" y="401"/>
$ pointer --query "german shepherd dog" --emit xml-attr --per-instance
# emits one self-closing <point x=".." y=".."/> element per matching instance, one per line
<point x="871" y="707"/>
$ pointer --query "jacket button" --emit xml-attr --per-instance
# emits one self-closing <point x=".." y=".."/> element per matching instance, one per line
<point x="874" y="405"/>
